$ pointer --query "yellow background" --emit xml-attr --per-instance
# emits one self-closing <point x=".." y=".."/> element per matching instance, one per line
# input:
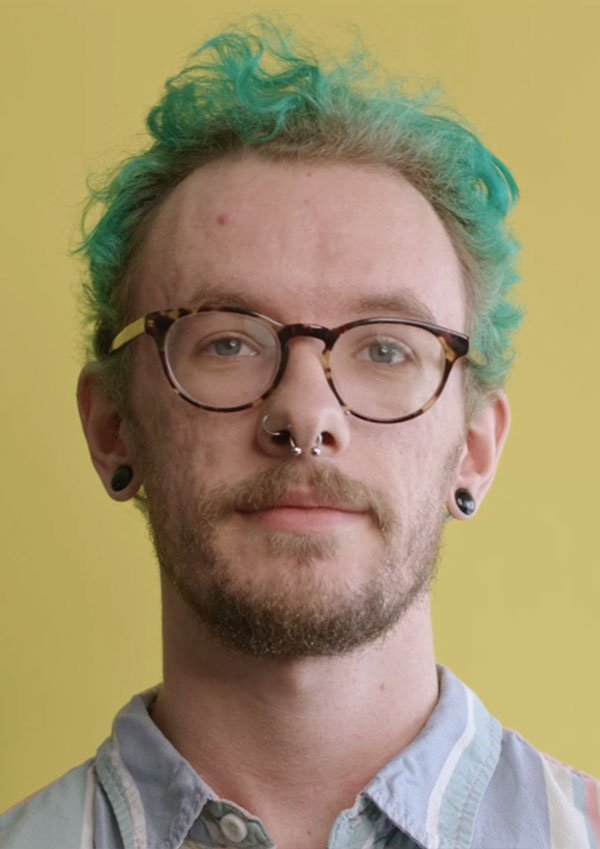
<point x="516" y="605"/>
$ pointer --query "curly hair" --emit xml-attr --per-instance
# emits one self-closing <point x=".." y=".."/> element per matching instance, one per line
<point x="255" y="89"/>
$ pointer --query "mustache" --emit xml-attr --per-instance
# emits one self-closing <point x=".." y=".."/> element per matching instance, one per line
<point x="269" y="486"/>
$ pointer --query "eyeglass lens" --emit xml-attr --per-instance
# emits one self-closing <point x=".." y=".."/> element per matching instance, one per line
<point x="381" y="371"/>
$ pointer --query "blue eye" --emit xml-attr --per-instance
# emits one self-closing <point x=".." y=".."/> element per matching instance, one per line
<point x="229" y="346"/>
<point x="386" y="353"/>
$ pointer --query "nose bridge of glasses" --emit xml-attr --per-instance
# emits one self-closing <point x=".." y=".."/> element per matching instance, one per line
<point x="314" y="331"/>
<point x="307" y="399"/>
<point x="308" y="331"/>
<point x="299" y="333"/>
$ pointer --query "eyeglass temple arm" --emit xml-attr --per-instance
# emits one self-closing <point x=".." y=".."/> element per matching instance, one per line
<point x="476" y="356"/>
<point x="136" y="328"/>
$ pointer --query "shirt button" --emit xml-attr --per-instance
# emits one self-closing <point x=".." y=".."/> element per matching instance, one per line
<point x="233" y="827"/>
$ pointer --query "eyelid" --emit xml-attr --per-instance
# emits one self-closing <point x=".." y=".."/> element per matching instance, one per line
<point x="214" y="340"/>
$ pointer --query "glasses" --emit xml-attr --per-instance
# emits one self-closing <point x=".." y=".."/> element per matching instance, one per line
<point x="227" y="359"/>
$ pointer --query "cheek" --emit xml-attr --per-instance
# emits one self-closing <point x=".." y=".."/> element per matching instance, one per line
<point x="178" y="440"/>
<point x="170" y="431"/>
<point x="415" y="456"/>
<point x="184" y="441"/>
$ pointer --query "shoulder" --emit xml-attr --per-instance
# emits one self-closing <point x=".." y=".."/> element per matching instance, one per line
<point x="534" y="800"/>
<point x="56" y="817"/>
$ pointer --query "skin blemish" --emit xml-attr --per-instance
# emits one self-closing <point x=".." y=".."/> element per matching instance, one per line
<point x="223" y="219"/>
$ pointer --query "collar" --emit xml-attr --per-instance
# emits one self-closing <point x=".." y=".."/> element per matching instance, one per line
<point x="431" y="790"/>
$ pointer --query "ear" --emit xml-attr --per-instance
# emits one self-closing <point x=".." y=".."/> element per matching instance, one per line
<point x="486" y="436"/>
<point x="107" y="433"/>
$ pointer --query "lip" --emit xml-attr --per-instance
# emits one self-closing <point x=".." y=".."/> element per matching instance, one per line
<point x="303" y="512"/>
<point x="304" y="500"/>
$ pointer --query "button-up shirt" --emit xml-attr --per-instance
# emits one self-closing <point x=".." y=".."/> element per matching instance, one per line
<point x="463" y="783"/>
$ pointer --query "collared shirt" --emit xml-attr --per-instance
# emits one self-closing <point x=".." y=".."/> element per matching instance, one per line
<point x="463" y="783"/>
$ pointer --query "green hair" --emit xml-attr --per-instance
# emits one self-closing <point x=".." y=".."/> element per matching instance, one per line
<point x="254" y="89"/>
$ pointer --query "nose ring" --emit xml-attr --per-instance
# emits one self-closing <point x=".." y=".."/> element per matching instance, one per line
<point x="295" y="449"/>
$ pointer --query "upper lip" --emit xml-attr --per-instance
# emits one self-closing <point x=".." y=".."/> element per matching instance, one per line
<point x="303" y="499"/>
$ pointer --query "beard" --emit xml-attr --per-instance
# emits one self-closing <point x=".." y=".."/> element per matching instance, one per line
<point x="300" y="612"/>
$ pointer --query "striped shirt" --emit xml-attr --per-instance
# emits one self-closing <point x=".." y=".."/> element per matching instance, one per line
<point x="463" y="783"/>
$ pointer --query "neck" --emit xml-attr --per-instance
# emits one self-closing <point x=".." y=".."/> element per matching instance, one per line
<point x="297" y="725"/>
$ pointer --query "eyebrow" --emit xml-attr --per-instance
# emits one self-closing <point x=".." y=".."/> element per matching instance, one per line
<point x="402" y="302"/>
<point x="209" y="294"/>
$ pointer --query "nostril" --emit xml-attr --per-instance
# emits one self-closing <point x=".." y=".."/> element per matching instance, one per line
<point x="327" y="438"/>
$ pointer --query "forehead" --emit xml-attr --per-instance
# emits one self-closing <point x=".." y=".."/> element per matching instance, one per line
<point x="302" y="242"/>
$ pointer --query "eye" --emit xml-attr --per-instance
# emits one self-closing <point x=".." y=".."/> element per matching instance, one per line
<point x="227" y="346"/>
<point x="386" y="352"/>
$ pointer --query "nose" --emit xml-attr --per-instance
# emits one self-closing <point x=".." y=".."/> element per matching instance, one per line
<point x="302" y="412"/>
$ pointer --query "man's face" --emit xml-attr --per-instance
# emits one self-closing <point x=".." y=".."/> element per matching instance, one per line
<point x="278" y="554"/>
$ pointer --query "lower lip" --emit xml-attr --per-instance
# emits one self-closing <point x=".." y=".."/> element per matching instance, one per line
<point x="303" y="519"/>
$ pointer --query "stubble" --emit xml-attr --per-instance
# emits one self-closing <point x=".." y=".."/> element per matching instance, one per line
<point x="300" y="614"/>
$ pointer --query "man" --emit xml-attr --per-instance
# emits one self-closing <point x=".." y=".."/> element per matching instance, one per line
<point x="301" y="336"/>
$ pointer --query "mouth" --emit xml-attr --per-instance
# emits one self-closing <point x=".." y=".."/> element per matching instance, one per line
<point x="304" y="512"/>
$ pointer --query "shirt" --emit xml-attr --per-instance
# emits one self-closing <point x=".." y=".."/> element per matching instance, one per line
<point x="463" y="783"/>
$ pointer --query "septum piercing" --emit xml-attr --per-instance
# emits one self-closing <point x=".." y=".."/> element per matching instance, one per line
<point x="316" y="449"/>
<point x="295" y="449"/>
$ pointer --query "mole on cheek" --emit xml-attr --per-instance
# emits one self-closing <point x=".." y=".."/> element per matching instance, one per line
<point x="223" y="219"/>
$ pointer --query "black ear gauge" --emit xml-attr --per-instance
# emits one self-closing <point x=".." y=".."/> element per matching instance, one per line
<point x="121" y="478"/>
<point x="465" y="501"/>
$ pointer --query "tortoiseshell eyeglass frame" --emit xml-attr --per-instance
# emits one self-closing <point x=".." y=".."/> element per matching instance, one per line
<point x="157" y="325"/>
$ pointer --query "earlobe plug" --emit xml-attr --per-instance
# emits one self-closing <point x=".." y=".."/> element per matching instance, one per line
<point x="121" y="478"/>
<point x="465" y="501"/>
